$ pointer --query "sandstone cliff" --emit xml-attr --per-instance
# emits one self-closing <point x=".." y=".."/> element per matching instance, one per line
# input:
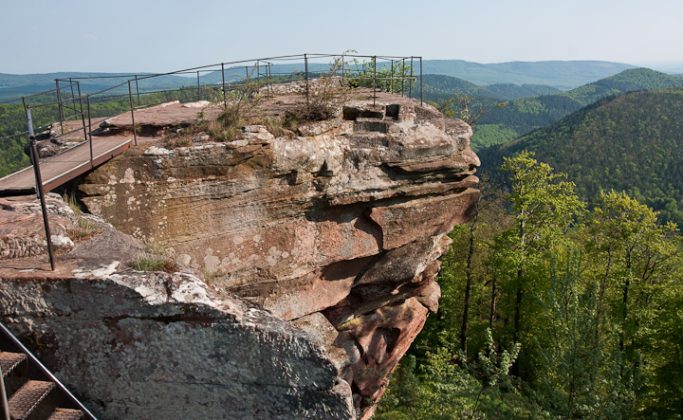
<point x="318" y="250"/>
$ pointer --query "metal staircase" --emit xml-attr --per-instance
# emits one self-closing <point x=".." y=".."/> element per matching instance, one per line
<point x="28" y="390"/>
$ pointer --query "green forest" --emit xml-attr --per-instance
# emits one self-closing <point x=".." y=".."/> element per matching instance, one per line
<point x="507" y="111"/>
<point x="630" y="143"/>
<point x="550" y="309"/>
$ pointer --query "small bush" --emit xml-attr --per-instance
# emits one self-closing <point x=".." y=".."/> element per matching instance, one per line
<point x="228" y="124"/>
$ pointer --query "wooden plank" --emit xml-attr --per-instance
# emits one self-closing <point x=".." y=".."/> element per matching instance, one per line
<point x="59" y="169"/>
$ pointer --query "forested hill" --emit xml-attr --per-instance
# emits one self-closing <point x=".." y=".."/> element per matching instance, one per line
<point x="441" y="87"/>
<point x="633" y="143"/>
<point x="526" y="114"/>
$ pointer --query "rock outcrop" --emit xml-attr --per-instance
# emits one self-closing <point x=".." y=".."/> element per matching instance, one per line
<point x="320" y="250"/>
<point x="165" y="346"/>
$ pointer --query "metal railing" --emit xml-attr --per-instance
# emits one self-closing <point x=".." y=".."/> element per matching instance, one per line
<point x="7" y="337"/>
<point x="77" y="98"/>
<point x="71" y="102"/>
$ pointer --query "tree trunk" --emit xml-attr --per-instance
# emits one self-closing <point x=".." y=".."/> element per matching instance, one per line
<point x="468" y="287"/>
<point x="520" y="290"/>
<point x="494" y="296"/>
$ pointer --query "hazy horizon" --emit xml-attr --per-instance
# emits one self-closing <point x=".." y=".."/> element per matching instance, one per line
<point x="131" y="36"/>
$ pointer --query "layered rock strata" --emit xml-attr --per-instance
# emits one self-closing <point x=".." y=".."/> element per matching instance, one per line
<point x="318" y="251"/>
<point x="346" y="219"/>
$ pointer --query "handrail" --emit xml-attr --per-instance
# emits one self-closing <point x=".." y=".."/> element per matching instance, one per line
<point x="45" y="371"/>
<point x="3" y="395"/>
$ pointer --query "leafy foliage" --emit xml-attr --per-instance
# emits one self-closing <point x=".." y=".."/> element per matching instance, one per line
<point x="599" y="327"/>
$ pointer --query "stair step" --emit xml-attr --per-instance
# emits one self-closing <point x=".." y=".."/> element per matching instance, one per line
<point x="9" y="361"/>
<point x="66" y="414"/>
<point x="28" y="397"/>
<point x="367" y="124"/>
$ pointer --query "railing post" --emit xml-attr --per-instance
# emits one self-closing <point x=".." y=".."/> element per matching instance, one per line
<point x="410" y="79"/>
<point x="137" y="90"/>
<point x="306" y="75"/>
<point x="258" y="76"/>
<point x="199" y="93"/>
<point x="80" y="103"/>
<point x="374" y="80"/>
<point x="391" y="88"/>
<point x="403" y="75"/>
<point x="132" y="113"/>
<point x="270" y="79"/>
<point x="225" y="101"/>
<point x="3" y="395"/>
<point x="60" y="106"/>
<point x="87" y="102"/>
<point x="39" y="186"/>
<point x="73" y="96"/>
<point x="421" y="101"/>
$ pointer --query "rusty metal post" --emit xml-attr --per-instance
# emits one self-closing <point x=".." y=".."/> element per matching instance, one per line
<point x="374" y="80"/>
<point x="225" y="100"/>
<point x="87" y="102"/>
<point x="39" y="186"/>
<point x="421" y="101"/>
<point x="246" y="72"/>
<point x="60" y="106"/>
<point x="270" y="79"/>
<point x="306" y="75"/>
<point x="132" y="113"/>
<point x="137" y="89"/>
<point x="80" y="103"/>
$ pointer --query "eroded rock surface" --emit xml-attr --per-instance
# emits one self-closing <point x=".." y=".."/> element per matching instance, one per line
<point x="334" y="231"/>
<point x="165" y="346"/>
<point x="347" y="217"/>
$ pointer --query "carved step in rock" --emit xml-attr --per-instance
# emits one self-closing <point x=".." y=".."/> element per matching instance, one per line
<point x="368" y="124"/>
<point x="27" y="400"/>
<point x="66" y="414"/>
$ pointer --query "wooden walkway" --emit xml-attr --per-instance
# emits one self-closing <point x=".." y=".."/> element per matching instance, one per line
<point x="59" y="169"/>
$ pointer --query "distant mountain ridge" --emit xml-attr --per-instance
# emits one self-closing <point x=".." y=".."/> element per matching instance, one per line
<point x="558" y="74"/>
<point x="440" y="87"/>
<point x="526" y="114"/>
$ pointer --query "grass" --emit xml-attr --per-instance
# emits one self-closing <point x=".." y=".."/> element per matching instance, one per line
<point x="155" y="258"/>
<point x="84" y="228"/>
<point x="210" y="276"/>
<point x="153" y="263"/>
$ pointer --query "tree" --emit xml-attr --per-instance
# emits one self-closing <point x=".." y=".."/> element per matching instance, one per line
<point x="544" y="205"/>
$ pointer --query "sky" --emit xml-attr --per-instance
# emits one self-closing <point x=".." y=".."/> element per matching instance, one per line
<point x="39" y="36"/>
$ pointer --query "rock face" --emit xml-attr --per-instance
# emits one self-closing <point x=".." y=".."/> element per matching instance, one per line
<point x="334" y="232"/>
<point x="164" y="346"/>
